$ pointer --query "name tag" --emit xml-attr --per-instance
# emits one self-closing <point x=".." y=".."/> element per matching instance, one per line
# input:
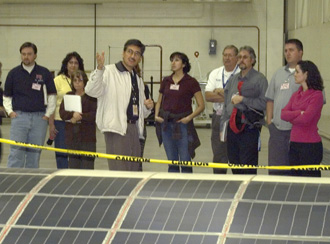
<point x="174" y="87"/>
<point x="285" y="86"/>
<point x="135" y="110"/>
<point x="36" y="86"/>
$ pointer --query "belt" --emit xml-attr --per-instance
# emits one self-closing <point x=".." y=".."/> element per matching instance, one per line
<point x="131" y="121"/>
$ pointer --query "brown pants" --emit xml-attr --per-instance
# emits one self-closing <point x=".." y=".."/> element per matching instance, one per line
<point x="127" y="145"/>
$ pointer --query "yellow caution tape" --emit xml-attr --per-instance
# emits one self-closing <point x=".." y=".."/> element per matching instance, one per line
<point x="160" y="161"/>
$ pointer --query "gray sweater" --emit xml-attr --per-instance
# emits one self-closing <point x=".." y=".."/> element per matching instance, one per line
<point x="253" y="90"/>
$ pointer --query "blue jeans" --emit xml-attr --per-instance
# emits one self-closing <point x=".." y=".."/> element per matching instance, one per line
<point x="61" y="158"/>
<point x="28" y="127"/>
<point x="176" y="149"/>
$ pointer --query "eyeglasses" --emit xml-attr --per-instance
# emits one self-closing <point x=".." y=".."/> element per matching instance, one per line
<point x="243" y="57"/>
<point x="78" y="80"/>
<point x="136" y="53"/>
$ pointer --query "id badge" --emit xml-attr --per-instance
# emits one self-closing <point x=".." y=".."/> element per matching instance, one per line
<point x="285" y="86"/>
<point x="219" y="110"/>
<point x="36" y="86"/>
<point x="174" y="87"/>
<point x="135" y="110"/>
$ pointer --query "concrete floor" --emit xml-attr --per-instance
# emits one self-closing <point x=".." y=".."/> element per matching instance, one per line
<point x="153" y="151"/>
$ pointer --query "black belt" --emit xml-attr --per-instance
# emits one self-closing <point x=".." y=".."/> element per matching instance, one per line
<point x="131" y="121"/>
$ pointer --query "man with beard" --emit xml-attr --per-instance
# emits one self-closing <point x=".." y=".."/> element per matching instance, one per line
<point x="244" y="105"/>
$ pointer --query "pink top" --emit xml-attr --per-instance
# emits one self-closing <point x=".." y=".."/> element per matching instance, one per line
<point x="304" y="126"/>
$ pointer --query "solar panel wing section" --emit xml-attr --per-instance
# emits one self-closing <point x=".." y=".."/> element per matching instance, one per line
<point x="178" y="211"/>
<point x="70" y="209"/>
<point x="33" y="236"/>
<point x="277" y="209"/>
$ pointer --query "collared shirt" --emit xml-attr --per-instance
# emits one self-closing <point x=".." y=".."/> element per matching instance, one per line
<point x="215" y="81"/>
<point x="280" y="90"/>
<point x="253" y="92"/>
<point x="177" y="101"/>
<point x="63" y="86"/>
<point x="28" y="90"/>
<point x="134" y="99"/>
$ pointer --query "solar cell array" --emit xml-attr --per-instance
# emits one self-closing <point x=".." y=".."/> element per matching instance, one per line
<point x="71" y="206"/>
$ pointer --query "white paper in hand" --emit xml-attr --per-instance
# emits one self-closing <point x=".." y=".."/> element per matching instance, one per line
<point x="72" y="103"/>
<point x="223" y="137"/>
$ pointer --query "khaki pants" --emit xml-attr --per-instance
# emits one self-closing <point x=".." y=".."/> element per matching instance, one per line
<point x="128" y="145"/>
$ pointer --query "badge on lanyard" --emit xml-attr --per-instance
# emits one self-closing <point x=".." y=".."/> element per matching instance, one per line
<point x="174" y="87"/>
<point x="135" y="110"/>
<point x="285" y="86"/>
<point x="36" y="86"/>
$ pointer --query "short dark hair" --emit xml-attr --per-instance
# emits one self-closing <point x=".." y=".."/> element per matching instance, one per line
<point x="297" y="42"/>
<point x="314" y="79"/>
<point x="184" y="58"/>
<point x="29" y="44"/>
<point x="251" y="52"/>
<point x="78" y="73"/>
<point x="231" y="47"/>
<point x="135" y="42"/>
<point x="68" y="57"/>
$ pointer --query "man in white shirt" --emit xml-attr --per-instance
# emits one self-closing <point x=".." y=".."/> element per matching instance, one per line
<point x="214" y="92"/>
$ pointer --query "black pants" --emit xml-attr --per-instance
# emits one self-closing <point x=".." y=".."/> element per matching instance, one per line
<point x="306" y="154"/>
<point x="219" y="148"/>
<point x="243" y="149"/>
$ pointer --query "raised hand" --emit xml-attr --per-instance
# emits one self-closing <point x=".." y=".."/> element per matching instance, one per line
<point x="100" y="60"/>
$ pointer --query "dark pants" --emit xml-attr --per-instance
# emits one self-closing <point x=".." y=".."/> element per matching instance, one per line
<point x="79" y="161"/>
<point x="243" y="149"/>
<point x="82" y="162"/>
<point x="306" y="154"/>
<point x="0" y="147"/>
<point x="61" y="158"/>
<point x="278" y="149"/>
<point x="219" y="148"/>
<point x="143" y="141"/>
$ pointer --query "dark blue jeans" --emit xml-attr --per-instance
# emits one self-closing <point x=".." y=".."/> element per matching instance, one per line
<point x="61" y="158"/>
<point x="176" y="149"/>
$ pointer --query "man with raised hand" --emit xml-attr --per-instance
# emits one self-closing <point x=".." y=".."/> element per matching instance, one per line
<point x="121" y="106"/>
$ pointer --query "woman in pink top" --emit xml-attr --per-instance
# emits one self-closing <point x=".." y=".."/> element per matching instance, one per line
<point x="304" y="111"/>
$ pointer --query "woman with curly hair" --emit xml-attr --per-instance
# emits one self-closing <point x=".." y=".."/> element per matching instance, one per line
<point x="304" y="111"/>
<point x="71" y="63"/>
